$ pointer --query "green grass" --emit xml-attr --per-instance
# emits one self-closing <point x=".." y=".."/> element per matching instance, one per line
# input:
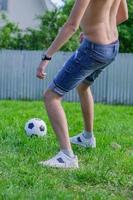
<point x="105" y="173"/>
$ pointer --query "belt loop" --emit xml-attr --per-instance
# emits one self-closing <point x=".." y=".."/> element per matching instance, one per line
<point x="115" y="48"/>
<point x="92" y="45"/>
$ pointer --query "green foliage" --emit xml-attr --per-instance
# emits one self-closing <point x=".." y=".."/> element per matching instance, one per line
<point x="50" y="23"/>
<point x="126" y="31"/>
<point x="10" y="34"/>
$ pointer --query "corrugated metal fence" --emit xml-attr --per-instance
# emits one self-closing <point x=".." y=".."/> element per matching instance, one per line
<point x="18" y="77"/>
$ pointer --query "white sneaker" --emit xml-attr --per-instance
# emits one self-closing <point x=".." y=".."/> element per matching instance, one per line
<point x="82" y="141"/>
<point x="61" y="160"/>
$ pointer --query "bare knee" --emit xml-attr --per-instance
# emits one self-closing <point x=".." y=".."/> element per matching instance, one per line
<point x="83" y="88"/>
<point x="49" y="96"/>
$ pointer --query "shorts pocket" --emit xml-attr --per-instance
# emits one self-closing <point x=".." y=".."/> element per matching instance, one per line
<point x="103" y="55"/>
<point x="82" y="57"/>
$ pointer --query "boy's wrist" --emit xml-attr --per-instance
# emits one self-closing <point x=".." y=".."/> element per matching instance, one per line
<point x="46" y="57"/>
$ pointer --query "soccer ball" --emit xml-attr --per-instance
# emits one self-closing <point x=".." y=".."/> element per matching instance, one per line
<point x="36" y="127"/>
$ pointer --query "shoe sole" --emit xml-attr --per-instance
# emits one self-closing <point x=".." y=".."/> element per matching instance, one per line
<point x="82" y="145"/>
<point x="59" y="167"/>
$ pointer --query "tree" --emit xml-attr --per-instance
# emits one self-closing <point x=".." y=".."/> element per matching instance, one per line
<point x="12" y="37"/>
<point x="10" y="34"/>
<point x="126" y="31"/>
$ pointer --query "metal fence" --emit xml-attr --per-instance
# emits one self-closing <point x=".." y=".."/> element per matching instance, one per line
<point x="18" y="78"/>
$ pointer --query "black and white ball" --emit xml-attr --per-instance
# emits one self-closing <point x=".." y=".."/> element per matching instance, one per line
<point x="36" y="127"/>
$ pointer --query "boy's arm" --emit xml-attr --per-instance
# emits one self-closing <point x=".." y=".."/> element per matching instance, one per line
<point x="70" y="27"/>
<point x="122" y="14"/>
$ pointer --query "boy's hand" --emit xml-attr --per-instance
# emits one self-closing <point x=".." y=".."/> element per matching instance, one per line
<point x="41" y="69"/>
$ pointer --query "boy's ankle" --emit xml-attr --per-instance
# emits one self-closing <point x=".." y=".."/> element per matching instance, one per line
<point x="88" y="135"/>
<point x="69" y="153"/>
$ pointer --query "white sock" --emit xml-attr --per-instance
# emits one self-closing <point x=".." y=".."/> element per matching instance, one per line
<point x="68" y="152"/>
<point x="87" y="134"/>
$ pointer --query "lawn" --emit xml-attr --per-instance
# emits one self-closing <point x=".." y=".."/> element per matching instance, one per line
<point x="105" y="173"/>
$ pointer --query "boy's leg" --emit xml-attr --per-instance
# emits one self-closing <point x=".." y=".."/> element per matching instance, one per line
<point x="65" y="158"/>
<point x="86" y="138"/>
<point x="58" y="118"/>
<point x="87" y="106"/>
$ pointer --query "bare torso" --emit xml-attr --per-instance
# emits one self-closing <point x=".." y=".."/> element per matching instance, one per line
<point x="99" y="21"/>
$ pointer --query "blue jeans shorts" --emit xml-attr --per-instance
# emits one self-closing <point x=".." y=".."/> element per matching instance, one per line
<point x="85" y="65"/>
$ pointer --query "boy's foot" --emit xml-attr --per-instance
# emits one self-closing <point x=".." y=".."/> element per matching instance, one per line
<point x="82" y="141"/>
<point x="61" y="160"/>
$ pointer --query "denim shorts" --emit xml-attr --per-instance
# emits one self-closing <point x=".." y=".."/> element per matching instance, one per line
<point x="85" y="65"/>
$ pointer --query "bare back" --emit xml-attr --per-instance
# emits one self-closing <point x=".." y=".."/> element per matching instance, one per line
<point x="99" y="21"/>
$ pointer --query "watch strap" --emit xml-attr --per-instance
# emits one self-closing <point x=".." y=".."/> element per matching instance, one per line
<point x="45" y="57"/>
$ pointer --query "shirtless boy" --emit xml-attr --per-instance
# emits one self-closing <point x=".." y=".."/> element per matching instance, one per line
<point x="98" y="20"/>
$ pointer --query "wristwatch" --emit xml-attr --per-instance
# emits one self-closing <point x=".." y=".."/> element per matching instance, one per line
<point x="45" y="57"/>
